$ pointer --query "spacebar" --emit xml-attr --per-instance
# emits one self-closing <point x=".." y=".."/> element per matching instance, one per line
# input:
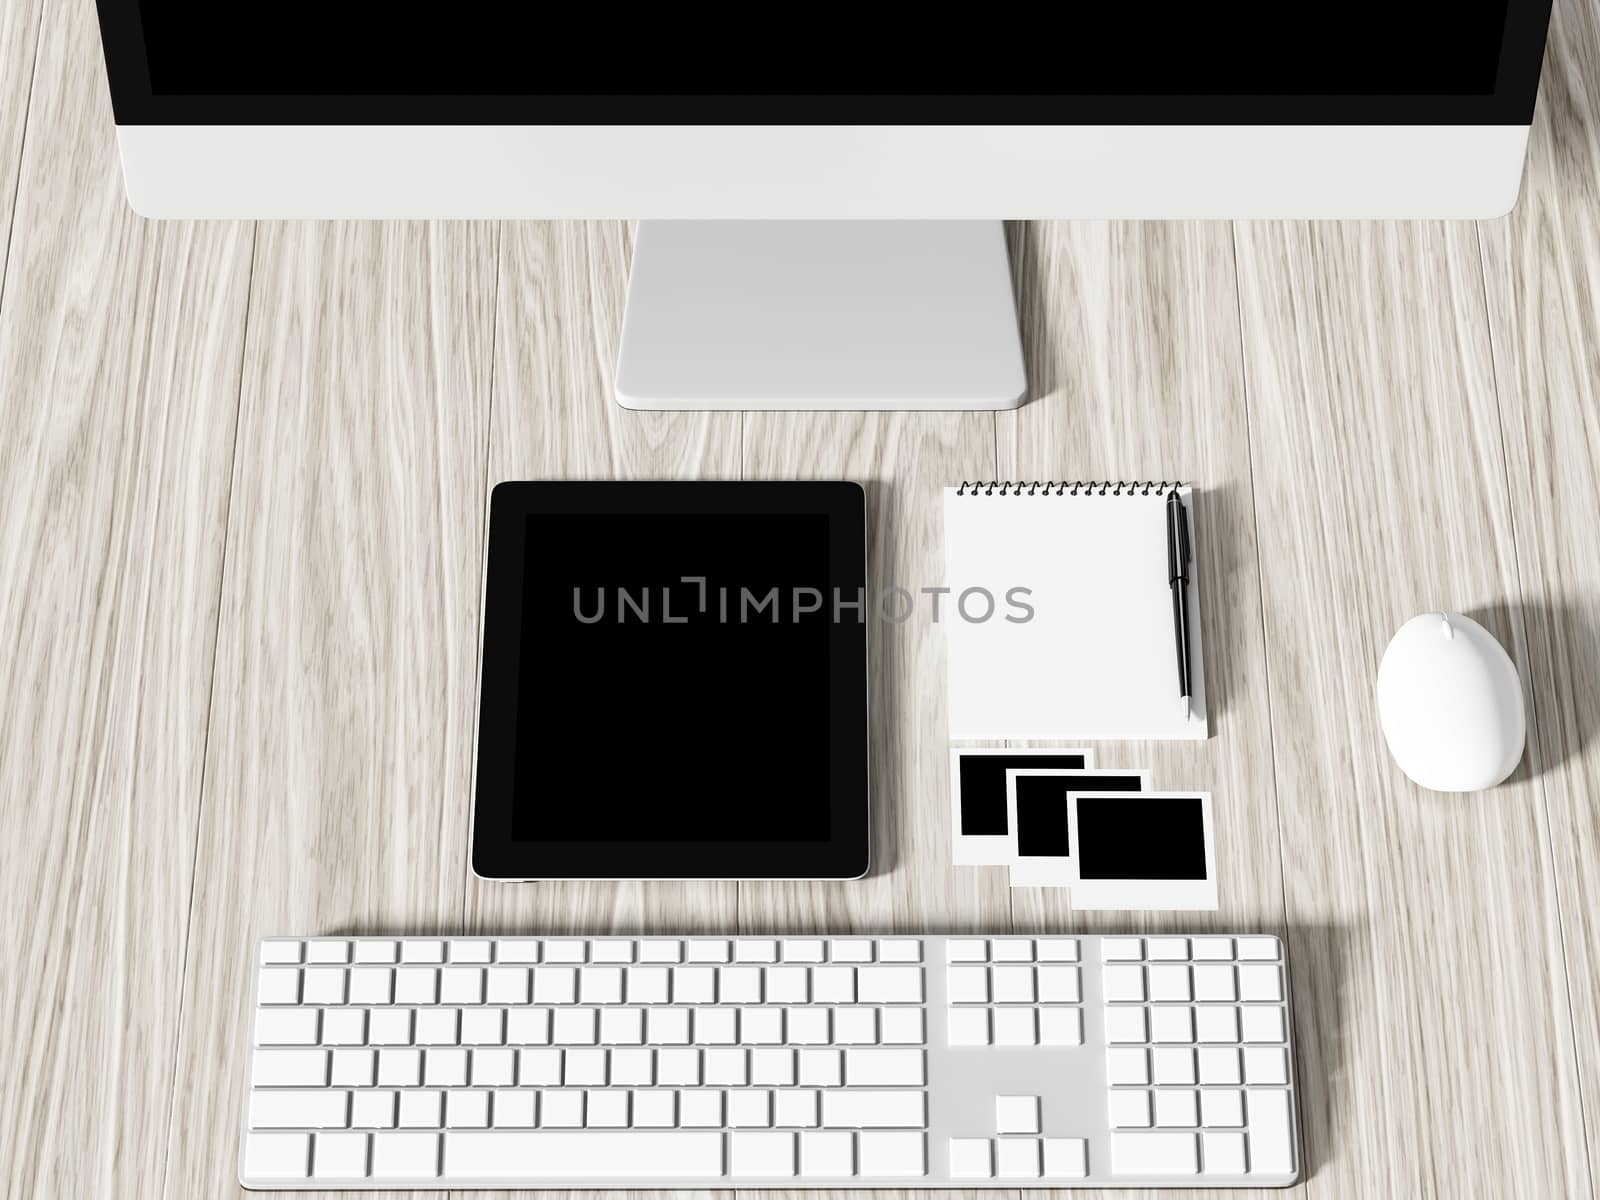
<point x="591" y="1155"/>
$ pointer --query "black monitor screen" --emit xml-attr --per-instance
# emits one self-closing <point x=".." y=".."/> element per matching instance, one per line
<point x="366" y="48"/>
<point x="674" y="679"/>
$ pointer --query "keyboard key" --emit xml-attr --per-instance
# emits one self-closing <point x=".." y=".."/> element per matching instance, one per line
<point x="755" y="950"/>
<point x="289" y="1068"/>
<point x="1124" y="1024"/>
<point x="708" y="950"/>
<point x="405" y="1155"/>
<point x="700" y="1108"/>
<point x="399" y="1068"/>
<point x="1222" y="1108"/>
<point x="327" y="950"/>
<point x="1012" y="950"/>
<point x="716" y="1026"/>
<point x="561" y="1109"/>
<point x="371" y="985"/>
<point x="1255" y="983"/>
<point x="853" y="950"/>
<point x="1060" y="1027"/>
<point x="1173" y="1065"/>
<point x="612" y="950"/>
<point x="515" y="1109"/>
<point x="483" y="1027"/>
<point x="807" y="1026"/>
<point x="494" y="1068"/>
<point x="761" y="1026"/>
<point x="966" y="950"/>
<point x="750" y="1108"/>
<point x="647" y="985"/>
<point x="600" y="985"/>
<point x="509" y="1154"/>
<point x="278" y="985"/>
<point x="622" y="1026"/>
<point x="796" y="1106"/>
<point x="584" y="1068"/>
<point x="788" y="985"/>
<point x="666" y="1026"/>
<point x="1179" y="1109"/>
<point x="889" y="985"/>
<point x="1018" y="1158"/>
<point x="322" y="985"/>
<point x="1015" y="1027"/>
<point x="655" y="1109"/>
<point x="573" y="1027"/>
<point x="444" y="1068"/>
<point x="772" y="1067"/>
<point x="555" y="985"/>
<point x="764" y="1155"/>
<point x="606" y="1110"/>
<point x="967" y="985"/>
<point x="821" y="1068"/>
<point x="1265" y="948"/>
<point x="416" y="985"/>
<point x="1128" y="1109"/>
<point x="1012" y="985"/>
<point x="807" y="950"/>
<point x="1214" y="1024"/>
<point x="1169" y="981"/>
<point x="1154" y="1154"/>
<point x="373" y="1110"/>
<point x="507" y="985"/>
<point x="679" y="1066"/>
<point x="884" y="1068"/>
<point x="726" y="1067"/>
<point x="354" y="1068"/>
<point x="827" y="1155"/>
<point x="1059" y="984"/>
<point x="855" y="1026"/>
<point x="632" y="1067"/>
<point x="833" y="985"/>
<point x="1223" y="1153"/>
<point x="466" y="1110"/>
<point x="279" y="950"/>
<point x="1219" y="1065"/>
<point x="528" y="1026"/>
<point x="471" y="950"/>
<point x="1171" y="1023"/>
<point x="566" y="951"/>
<point x="1159" y="949"/>
<point x="1122" y="983"/>
<point x="694" y="985"/>
<point x="661" y="950"/>
<point x="270" y="1156"/>
<point x="516" y="950"/>
<point x="1214" y="981"/>
<point x="1262" y="1064"/>
<point x="898" y="1026"/>
<point x="1127" y="1065"/>
<point x="1114" y="949"/>
<point x="461" y="985"/>
<point x="1271" y="1139"/>
<point x="287" y="1026"/>
<point x="967" y="1026"/>
<point x="422" y="950"/>
<point x="1066" y="1158"/>
<point x="971" y="1158"/>
<point x="874" y="1110"/>
<point x="1057" y="950"/>
<point x="540" y="1067"/>
<point x="1262" y="1023"/>
<point x="1016" y="1114"/>
<point x="299" y="1110"/>
<point x="438" y="1026"/>
<point x="740" y="985"/>
<point x="1211" y="948"/>
<point x="890" y="1155"/>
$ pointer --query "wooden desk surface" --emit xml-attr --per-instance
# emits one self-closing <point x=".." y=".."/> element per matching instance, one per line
<point x="243" y="475"/>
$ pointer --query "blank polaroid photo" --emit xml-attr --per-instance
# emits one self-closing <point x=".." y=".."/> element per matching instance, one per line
<point x="1152" y="850"/>
<point x="1036" y="812"/>
<point x="980" y="829"/>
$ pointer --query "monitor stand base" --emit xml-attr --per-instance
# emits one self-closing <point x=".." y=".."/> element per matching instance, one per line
<point x="820" y="315"/>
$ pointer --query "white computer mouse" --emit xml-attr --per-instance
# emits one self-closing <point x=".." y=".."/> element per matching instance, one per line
<point x="1450" y="704"/>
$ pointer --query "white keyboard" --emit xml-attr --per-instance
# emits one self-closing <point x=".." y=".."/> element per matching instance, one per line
<point x="770" y="1062"/>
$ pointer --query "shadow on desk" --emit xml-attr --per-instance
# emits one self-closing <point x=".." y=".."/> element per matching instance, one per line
<point x="1325" y="967"/>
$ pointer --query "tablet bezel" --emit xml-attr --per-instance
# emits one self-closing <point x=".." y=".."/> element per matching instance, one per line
<point x="496" y="855"/>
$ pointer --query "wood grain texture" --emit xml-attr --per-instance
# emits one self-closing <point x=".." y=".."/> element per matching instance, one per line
<point x="337" y="773"/>
<point x="119" y="365"/>
<point x="19" y="37"/>
<point x="1542" y="266"/>
<point x="1428" y="919"/>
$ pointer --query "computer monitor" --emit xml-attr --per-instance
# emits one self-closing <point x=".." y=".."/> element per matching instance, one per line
<point x="1410" y="108"/>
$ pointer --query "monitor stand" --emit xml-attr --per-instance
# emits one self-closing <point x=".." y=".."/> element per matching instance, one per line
<point x="820" y="315"/>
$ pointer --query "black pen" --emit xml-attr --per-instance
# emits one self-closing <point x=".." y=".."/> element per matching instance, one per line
<point x="1178" y="555"/>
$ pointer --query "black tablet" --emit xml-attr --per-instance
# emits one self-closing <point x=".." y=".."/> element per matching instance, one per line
<point x="674" y="682"/>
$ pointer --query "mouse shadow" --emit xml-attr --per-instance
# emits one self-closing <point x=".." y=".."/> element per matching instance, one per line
<point x="1031" y="290"/>
<point x="1556" y="649"/>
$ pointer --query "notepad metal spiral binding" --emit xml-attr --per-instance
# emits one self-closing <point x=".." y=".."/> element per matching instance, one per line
<point x="1066" y="487"/>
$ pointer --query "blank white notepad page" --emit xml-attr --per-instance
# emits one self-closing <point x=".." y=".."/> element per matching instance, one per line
<point x="1097" y="659"/>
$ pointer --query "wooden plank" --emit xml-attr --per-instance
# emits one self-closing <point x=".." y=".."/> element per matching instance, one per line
<point x="1542" y="266"/>
<point x="120" y="345"/>
<point x="562" y="287"/>
<point x="19" y="36"/>
<point x="1421" y="924"/>
<point x="340" y="752"/>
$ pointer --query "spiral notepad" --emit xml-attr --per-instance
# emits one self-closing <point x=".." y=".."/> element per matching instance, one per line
<point x="1096" y="659"/>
